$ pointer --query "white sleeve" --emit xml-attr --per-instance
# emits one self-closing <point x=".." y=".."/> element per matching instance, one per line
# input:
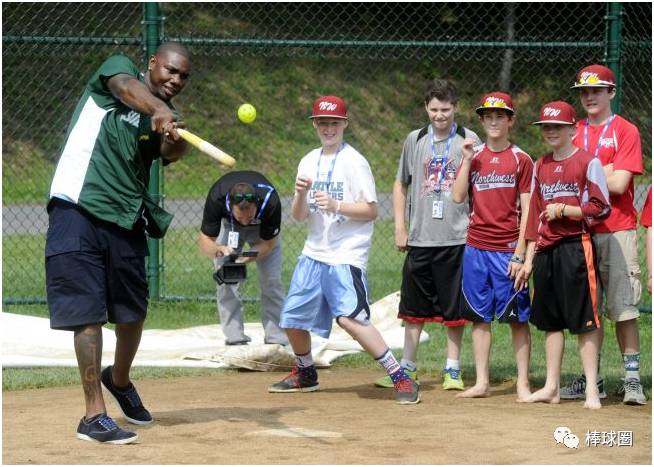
<point x="304" y="169"/>
<point x="362" y="183"/>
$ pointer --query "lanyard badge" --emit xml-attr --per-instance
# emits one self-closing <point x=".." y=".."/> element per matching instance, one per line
<point x="232" y="239"/>
<point x="599" y="140"/>
<point x="437" y="209"/>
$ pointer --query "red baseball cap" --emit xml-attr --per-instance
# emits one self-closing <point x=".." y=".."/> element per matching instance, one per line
<point x="329" y="106"/>
<point x="557" y="112"/>
<point x="594" y="76"/>
<point x="496" y="100"/>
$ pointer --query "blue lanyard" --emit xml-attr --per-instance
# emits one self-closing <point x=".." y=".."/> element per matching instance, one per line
<point x="331" y="168"/>
<point x="447" y="150"/>
<point x="266" y="199"/>
<point x="597" y="146"/>
<point x="263" y="205"/>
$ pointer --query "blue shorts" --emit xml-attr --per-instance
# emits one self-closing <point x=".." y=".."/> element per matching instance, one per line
<point x="95" y="270"/>
<point x="320" y="292"/>
<point x="488" y="290"/>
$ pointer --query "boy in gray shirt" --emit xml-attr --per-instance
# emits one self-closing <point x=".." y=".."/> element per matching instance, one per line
<point x="431" y="276"/>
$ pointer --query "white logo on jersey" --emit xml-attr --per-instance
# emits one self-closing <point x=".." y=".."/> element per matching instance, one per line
<point x="606" y="143"/>
<point x="550" y="112"/>
<point x="559" y="169"/>
<point x="492" y="181"/>
<point x="327" y="106"/>
<point x="133" y="118"/>
<point x="495" y="160"/>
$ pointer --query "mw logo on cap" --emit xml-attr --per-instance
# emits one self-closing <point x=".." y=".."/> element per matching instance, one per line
<point x="588" y="78"/>
<point x="330" y="106"/>
<point x="550" y="112"/>
<point x="492" y="101"/>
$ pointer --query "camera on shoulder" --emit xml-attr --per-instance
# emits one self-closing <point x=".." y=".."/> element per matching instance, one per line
<point x="232" y="272"/>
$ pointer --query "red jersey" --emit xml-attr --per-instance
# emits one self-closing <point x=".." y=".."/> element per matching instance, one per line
<point x="496" y="181"/>
<point x="578" y="181"/>
<point x="646" y="215"/>
<point x="621" y="147"/>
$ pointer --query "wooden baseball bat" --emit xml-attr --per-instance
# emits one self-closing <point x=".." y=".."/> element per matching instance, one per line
<point x="207" y="148"/>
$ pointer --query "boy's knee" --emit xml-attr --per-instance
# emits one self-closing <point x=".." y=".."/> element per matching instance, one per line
<point x="344" y="321"/>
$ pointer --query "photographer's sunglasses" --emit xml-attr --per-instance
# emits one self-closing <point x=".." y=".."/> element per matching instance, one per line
<point x="240" y="197"/>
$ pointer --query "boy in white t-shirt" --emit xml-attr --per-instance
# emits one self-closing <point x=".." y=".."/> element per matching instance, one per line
<point x="335" y="193"/>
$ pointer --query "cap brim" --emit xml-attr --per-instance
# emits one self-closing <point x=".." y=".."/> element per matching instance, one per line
<point x="598" y="85"/>
<point x="555" y="122"/>
<point x="328" y="116"/>
<point x="479" y="110"/>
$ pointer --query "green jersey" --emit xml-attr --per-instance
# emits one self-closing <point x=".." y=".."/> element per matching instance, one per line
<point x="105" y="164"/>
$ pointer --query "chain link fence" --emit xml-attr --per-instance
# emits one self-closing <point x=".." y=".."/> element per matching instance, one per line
<point x="379" y="56"/>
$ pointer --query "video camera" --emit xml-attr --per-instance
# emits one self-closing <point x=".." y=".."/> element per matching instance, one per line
<point x="230" y="272"/>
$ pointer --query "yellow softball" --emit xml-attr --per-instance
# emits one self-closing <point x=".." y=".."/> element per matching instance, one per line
<point x="247" y="113"/>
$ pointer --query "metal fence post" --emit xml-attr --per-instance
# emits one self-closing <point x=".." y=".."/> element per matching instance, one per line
<point x="151" y="35"/>
<point x="613" y="46"/>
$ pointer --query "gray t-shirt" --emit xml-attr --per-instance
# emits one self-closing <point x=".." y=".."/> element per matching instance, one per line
<point x="424" y="175"/>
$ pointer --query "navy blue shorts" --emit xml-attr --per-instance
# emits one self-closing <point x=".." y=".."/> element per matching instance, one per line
<point x="95" y="270"/>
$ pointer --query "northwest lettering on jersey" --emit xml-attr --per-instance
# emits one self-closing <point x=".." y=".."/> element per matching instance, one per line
<point x="492" y="180"/>
<point x="558" y="190"/>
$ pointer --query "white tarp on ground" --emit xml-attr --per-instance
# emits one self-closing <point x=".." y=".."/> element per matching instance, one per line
<point x="29" y="341"/>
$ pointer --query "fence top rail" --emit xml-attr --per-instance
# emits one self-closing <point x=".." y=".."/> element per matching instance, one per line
<point x="73" y="40"/>
<point x="265" y="42"/>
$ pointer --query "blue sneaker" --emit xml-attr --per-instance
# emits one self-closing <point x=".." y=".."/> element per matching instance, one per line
<point x="128" y="400"/>
<point x="102" y="429"/>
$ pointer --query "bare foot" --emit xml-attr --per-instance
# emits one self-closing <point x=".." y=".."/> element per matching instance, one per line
<point x="550" y="396"/>
<point x="523" y="393"/>
<point x="592" y="401"/>
<point x="475" y="391"/>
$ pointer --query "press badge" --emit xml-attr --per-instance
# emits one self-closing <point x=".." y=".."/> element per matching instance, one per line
<point x="437" y="209"/>
<point x="232" y="240"/>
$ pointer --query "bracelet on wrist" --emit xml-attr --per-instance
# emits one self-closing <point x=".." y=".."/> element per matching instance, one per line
<point x="517" y="259"/>
<point x="338" y="208"/>
<point x="563" y="211"/>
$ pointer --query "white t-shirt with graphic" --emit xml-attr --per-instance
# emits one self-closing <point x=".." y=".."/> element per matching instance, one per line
<point x="334" y="238"/>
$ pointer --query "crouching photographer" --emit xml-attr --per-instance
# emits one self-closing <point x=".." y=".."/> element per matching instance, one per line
<point x="243" y="207"/>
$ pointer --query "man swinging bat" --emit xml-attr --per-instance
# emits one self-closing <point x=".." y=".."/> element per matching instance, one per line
<point x="99" y="213"/>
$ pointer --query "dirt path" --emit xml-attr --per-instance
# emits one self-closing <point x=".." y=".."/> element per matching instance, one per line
<point x="231" y="419"/>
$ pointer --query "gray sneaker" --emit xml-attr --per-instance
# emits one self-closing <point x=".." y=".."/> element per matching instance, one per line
<point x="577" y="389"/>
<point x="407" y="391"/>
<point x="633" y="392"/>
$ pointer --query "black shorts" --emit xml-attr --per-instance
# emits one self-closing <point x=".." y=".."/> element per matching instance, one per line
<point x="565" y="287"/>
<point x="95" y="270"/>
<point x="431" y="285"/>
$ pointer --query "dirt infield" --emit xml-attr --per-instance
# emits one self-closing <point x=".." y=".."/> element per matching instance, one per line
<point x="231" y="419"/>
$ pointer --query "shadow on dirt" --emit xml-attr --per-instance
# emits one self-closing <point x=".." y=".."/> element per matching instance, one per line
<point x="265" y="417"/>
